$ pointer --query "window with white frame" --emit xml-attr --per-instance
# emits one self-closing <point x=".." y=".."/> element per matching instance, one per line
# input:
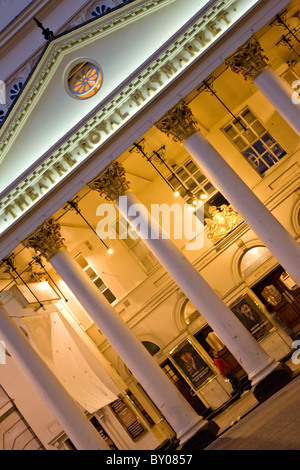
<point x="95" y="278"/>
<point x="128" y="236"/>
<point x="253" y="140"/>
<point x="190" y="177"/>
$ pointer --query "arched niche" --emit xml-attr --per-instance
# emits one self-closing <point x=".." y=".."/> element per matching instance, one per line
<point x="151" y="347"/>
<point x="253" y="259"/>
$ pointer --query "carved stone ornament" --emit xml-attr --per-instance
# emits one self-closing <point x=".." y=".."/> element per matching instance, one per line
<point x="178" y="123"/>
<point x="249" y="60"/>
<point x="46" y="240"/>
<point x="112" y="183"/>
<point x="224" y="220"/>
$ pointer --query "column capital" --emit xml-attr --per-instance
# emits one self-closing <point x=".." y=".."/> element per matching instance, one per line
<point x="46" y="239"/>
<point x="178" y="123"/>
<point x="249" y="60"/>
<point x="111" y="183"/>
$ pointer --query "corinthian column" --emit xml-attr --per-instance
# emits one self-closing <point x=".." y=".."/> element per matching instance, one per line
<point x="78" y="428"/>
<point x="46" y="240"/>
<point x="251" y="62"/>
<point x="180" y="124"/>
<point x="113" y="185"/>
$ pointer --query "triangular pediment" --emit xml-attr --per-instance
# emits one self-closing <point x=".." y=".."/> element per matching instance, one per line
<point x="139" y="49"/>
<point x="120" y="44"/>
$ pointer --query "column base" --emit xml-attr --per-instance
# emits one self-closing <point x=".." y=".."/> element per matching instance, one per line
<point x="271" y="384"/>
<point x="202" y="438"/>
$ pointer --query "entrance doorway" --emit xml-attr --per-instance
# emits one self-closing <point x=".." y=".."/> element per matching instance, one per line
<point x="280" y="294"/>
<point x="185" y="389"/>
<point x="203" y="338"/>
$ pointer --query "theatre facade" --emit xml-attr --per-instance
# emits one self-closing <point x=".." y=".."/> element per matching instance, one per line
<point x="149" y="217"/>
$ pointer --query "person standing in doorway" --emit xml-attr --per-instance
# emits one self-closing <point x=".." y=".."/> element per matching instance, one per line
<point x="227" y="373"/>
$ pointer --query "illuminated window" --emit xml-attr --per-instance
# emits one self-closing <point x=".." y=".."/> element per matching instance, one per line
<point x="190" y="177"/>
<point x="95" y="278"/>
<point x="253" y="259"/>
<point x="252" y="139"/>
<point x="129" y="237"/>
<point x="84" y="80"/>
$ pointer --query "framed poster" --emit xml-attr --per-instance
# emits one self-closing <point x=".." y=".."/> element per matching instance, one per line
<point x="192" y="366"/>
<point x="127" y="418"/>
<point x="251" y="315"/>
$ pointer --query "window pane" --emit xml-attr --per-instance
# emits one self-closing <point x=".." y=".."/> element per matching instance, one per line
<point x="199" y="177"/>
<point x="91" y="273"/>
<point x="81" y="261"/>
<point x="109" y="296"/>
<point x="209" y="188"/>
<point x="248" y="116"/>
<point x="255" y="160"/>
<point x="191" y="184"/>
<point x="258" y="128"/>
<point x="100" y="284"/>
<point x="231" y="132"/>
<point x="174" y="182"/>
<point x="182" y="174"/>
<point x="239" y="124"/>
<point x="269" y="159"/>
<point x="191" y="167"/>
<point x="268" y="139"/>
<point x="249" y="136"/>
<point x="240" y="143"/>
<point x="259" y="147"/>
<point x="278" y="151"/>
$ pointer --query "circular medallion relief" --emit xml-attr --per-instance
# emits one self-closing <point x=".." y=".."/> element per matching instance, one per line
<point x="84" y="80"/>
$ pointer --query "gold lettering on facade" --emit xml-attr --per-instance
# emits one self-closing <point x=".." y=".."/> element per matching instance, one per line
<point x="42" y="187"/>
<point x="156" y="79"/>
<point x="202" y="39"/>
<point x="138" y="97"/>
<point x="191" y="49"/>
<point x="69" y="159"/>
<point x="10" y="210"/>
<point x="222" y="16"/>
<point x="32" y="194"/>
<point x="48" y="174"/>
<point x="102" y="126"/>
<point x="85" y="145"/>
<point x="21" y="202"/>
<point x="94" y="137"/>
<point x="212" y="28"/>
<point x="169" y="69"/>
<point x="59" y="168"/>
<point x="121" y="115"/>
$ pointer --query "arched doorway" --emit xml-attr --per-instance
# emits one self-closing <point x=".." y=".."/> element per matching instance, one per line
<point x="281" y="295"/>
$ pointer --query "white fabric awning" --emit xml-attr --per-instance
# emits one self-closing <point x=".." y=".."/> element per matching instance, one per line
<point x="69" y="359"/>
